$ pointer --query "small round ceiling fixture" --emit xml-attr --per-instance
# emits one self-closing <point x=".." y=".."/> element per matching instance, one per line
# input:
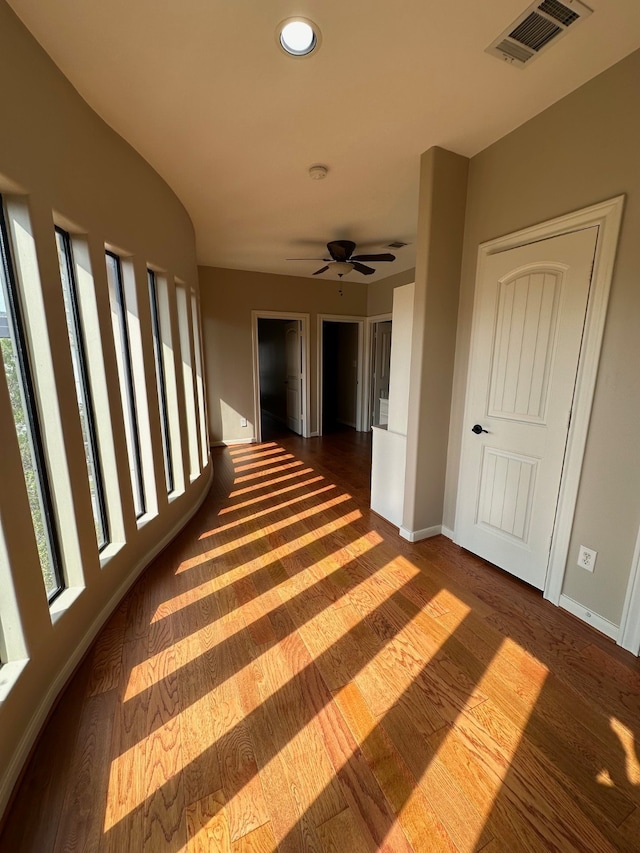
<point x="298" y="36"/>
<point x="318" y="172"/>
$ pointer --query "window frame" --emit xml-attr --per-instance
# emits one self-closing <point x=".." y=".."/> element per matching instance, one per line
<point x="87" y="395"/>
<point x="32" y="413"/>
<point x="130" y="390"/>
<point x="165" y="426"/>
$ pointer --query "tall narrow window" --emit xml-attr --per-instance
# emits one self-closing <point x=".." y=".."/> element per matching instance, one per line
<point x="125" y="373"/>
<point x="15" y="359"/>
<point x="197" y="349"/>
<point x="160" y="379"/>
<point x="83" y="392"/>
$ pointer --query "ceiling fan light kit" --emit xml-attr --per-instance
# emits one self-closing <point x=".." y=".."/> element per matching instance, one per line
<point x="343" y="261"/>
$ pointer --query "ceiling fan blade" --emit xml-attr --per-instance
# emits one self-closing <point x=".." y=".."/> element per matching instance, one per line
<point x="361" y="268"/>
<point x="385" y="256"/>
<point x="340" y="250"/>
<point x="317" y="272"/>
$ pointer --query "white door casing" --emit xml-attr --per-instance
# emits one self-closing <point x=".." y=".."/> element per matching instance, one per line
<point x="305" y="392"/>
<point x="381" y="365"/>
<point x="360" y="398"/>
<point x="528" y="326"/>
<point x="293" y="339"/>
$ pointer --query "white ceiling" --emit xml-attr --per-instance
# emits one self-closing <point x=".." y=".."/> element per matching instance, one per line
<point x="201" y="89"/>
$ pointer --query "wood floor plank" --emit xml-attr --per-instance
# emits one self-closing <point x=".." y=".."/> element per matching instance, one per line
<point x="463" y="822"/>
<point x="162" y="783"/>
<point x="296" y="732"/>
<point x="106" y="662"/>
<point x="261" y="840"/>
<point x="79" y="830"/>
<point x="279" y="778"/>
<point x="341" y="833"/>
<point x="528" y="782"/>
<point x="422" y="826"/>
<point x="207" y="825"/>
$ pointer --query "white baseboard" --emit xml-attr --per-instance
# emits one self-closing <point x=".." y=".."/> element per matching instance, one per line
<point x="230" y="442"/>
<point x="12" y="773"/>
<point x="417" y="535"/>
<point x="603" y="625"/>
<point x="446" y="531"/>
<point x="313" y="434"/>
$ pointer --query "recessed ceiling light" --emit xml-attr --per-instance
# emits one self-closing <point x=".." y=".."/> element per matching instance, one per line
<point x="298" y="36"/>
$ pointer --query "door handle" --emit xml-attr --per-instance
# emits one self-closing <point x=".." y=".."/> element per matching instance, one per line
<point x="478" y="429"/>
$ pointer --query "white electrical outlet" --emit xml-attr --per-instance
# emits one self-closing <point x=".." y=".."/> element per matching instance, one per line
<point x="243" y="422"/>
<point x="587" y="558"/>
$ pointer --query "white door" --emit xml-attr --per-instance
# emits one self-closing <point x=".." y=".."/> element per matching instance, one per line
<point x="293" y="337"/>
<point x="381" y="363"/>
<point x="528" y="322"/>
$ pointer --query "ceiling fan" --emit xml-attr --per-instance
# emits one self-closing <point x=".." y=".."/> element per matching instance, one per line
<point x="343" y="261"/>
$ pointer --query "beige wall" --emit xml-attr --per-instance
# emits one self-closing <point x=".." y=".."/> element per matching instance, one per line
<point x="582" y="150"/>
<point x="228" y="297"/>
<point x="58" y="156"/>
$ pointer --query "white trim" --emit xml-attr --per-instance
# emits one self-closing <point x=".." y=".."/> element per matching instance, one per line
<point x="446" y="531"/>
<point x="368" y="364"/>
<point x="629" y="637"/>
<point x="607" y="217"/>
<point x="231" y="442"/>
<point x="342" y="318"/>
<point x="19" y="758"/>
<point x="305" y="394"/>
<point x="594" y="619"/>
<point x="417" y="535"/>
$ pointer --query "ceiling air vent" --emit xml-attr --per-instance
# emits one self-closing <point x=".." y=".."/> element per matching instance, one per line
<point x="535" y="29"/>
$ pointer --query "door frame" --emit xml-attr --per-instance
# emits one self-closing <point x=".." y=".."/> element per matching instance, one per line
<point x="607" y="217"/>
<point x="368" y="363"/>
<point x="343" y="318"/>
<point x="305" y="391"/>
<point x="629" y="634"/>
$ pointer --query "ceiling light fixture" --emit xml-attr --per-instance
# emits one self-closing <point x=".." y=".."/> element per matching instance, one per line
<point x="341" y="268"/>
<point x="298" y="36"/>
<point x="318" y="172"/>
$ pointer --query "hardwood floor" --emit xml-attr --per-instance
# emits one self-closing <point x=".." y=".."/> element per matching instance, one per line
<point x="291" y="675"/>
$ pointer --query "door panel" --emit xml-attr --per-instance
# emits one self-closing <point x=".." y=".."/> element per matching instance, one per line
<point x="381" y="363"/>
<point x="530" y="312"/>
<point x="293" y="339"/>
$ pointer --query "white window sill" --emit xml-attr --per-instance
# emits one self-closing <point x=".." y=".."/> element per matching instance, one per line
<point x="109" y="553"/>
<point x="9" y="673"/>
<point x="64" y="602"/>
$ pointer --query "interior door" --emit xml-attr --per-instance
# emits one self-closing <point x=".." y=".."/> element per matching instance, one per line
<point x="528" y="323"/>
<point x="381" y="364"/>
<point x="293" y="338"/>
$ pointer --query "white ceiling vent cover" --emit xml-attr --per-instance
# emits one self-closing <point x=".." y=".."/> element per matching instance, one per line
<point x="535" y="29"/>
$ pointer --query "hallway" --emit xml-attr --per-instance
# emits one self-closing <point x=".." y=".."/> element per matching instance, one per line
<point x="291" y="675"/>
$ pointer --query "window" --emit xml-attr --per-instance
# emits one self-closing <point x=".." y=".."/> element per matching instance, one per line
<point x="125" y="373"/>
<point x="188" y="375"/>
<point x="199" y="379"/>
<point x="160" y="379"/>
<point x="83" y="393"/>
<point x="15" y="359"/>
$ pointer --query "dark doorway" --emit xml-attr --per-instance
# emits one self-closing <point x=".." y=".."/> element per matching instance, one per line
<point x="280" y="369"/>
<point x="339" y="375"/>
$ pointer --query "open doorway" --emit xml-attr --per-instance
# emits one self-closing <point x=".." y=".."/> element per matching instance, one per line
<point x="280" y="368"/>
<point x="340" y="363"/>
